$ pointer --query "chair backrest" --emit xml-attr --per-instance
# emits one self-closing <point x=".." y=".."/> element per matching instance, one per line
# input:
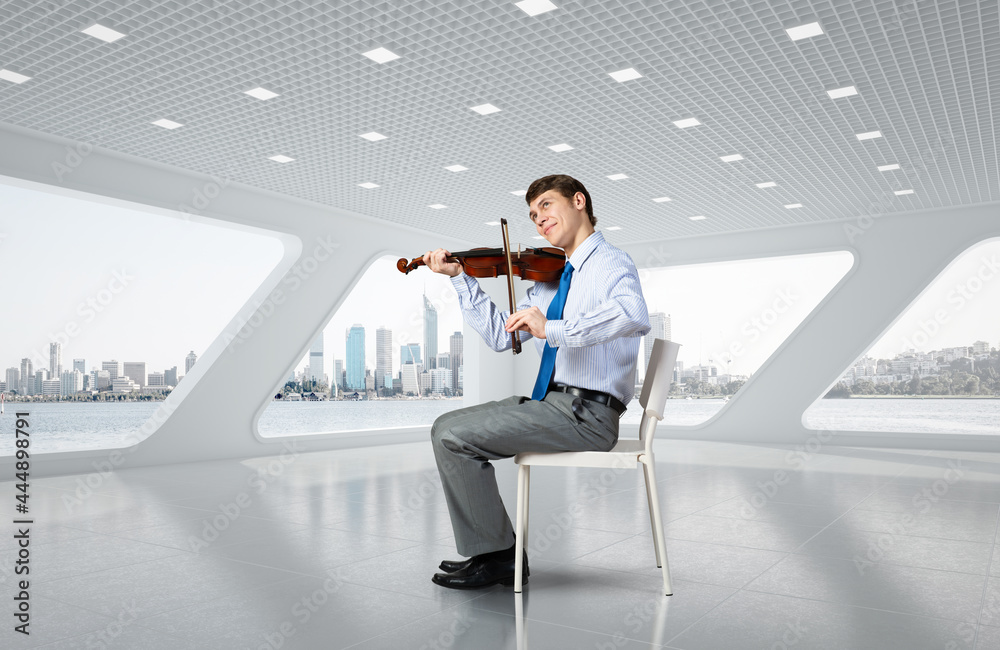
<point x="659" y="375"/>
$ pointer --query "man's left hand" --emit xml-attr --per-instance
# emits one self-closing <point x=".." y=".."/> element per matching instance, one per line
<point x="530" y="320"/>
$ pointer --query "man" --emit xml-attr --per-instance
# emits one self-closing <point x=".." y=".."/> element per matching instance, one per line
<point x="586" y="378"/>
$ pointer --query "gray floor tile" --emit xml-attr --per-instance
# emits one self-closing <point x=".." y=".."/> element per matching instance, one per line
<point x="465" y="627"/>
<point x="991" y="603"/>
<point x="50" y="621"/>
<point x="778" y="512"/>
<point x="988" y="637"/>
<point x="922" y="502"/>
<point x="715" y="564"/>
<point x="141" y="586"/>
<point x="116" y="636"/>
<point x="304" y="612"/>
<point x="86" y="555"/>
<point x="608" y="602"/>
<point x="223" y="528"/>
<point x="310" y="551"/>
<point x="927" y="552"/>
<point x="908" y="590"/>
<point x="740" y="532"/>
<point x="750" y="620"/>
<point x="944" y="524"/>
<point x="409" y="572"/>
<point x="956" y="492"/>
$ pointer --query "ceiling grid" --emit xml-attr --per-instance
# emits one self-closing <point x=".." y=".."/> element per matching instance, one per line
<point x="926" y="75"/>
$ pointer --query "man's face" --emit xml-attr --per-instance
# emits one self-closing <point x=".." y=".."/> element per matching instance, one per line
<point x="558" y="218"/>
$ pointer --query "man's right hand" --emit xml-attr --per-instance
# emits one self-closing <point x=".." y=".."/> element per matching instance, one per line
<point x="435" y="261"/>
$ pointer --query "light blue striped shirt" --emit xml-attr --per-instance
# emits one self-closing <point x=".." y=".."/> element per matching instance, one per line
<point x="604" y="318"/>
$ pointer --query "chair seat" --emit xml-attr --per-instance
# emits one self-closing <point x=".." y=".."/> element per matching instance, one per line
<point x="624" y="454"/>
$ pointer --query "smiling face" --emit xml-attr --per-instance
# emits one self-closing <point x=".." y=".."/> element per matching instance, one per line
<point x="562" y="221"/>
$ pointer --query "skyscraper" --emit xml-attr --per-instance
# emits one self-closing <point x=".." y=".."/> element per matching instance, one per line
<point x="189" y="361"/>
<point x="136" y="371"/>
<point x="456" y="341"/>
<point x="27" y="377"/>
<point x="80" y="364"/>
<point x="315" y="370"/>
<point x="170" y="376"/>
<point x="409" y="353"/>
<point x="659" y="328"/>
<point x="338" y="373"/>
<point x="356" y="357"/>
<point x="13" y="380"/>
<point x="383" y="357"/>
<point x="111" y="367"/>
<point x="70" y="382"/>
<point x="410" y="378"/>
<point x="430" y="333"/>
<point x="55" y="359"/>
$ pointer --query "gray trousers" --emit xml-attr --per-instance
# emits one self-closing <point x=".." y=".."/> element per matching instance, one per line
<point x="465" y="440"/>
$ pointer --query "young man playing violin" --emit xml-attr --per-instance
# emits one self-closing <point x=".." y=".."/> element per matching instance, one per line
<point x="587" y="327"/>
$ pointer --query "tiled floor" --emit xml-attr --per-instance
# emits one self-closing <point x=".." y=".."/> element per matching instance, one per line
<point x="837" y="548"/>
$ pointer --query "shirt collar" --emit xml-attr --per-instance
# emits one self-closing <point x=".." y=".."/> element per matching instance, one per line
<point x="584" y="250"/>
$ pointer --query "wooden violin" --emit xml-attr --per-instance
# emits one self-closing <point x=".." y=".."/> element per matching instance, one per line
<point x="535" y="264"/>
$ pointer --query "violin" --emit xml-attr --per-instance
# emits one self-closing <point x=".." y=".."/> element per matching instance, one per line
<point x="535" y="264"/>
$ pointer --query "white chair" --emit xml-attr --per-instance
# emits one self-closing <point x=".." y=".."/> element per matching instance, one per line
<point x="653" y="398"/>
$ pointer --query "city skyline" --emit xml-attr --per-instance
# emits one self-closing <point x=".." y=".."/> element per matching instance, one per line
<point x="184" y="268"/>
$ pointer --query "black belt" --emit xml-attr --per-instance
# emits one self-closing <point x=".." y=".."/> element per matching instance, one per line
<point x="592" y="395"/>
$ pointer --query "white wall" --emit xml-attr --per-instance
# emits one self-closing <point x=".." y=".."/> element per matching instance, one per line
<point x="896" y="258"/>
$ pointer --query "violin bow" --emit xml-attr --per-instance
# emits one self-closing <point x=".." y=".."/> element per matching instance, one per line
<point x="515" y="337"/>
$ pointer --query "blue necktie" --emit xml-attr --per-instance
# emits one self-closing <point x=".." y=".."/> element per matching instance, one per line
<point x="554" y="312"/>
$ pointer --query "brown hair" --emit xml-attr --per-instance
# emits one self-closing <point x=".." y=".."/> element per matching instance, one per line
<point x="565" y="185"/>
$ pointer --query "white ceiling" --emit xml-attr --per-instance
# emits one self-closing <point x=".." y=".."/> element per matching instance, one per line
<point x="927" y="75"/>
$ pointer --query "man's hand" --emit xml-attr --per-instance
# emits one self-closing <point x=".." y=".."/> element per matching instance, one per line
<point x="435" y="261"/>
<point x="530" y="320"/>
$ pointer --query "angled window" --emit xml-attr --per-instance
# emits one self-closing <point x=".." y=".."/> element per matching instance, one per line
<point x="106" y="308"/>
<point x="390" y="357"/>
<point x="936" y="369"/>
<point x="729" y="318"/>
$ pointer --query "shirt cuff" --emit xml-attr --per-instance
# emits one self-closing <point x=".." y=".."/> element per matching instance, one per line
<point x="462" y="280"/>
<point x="555" y="332"/>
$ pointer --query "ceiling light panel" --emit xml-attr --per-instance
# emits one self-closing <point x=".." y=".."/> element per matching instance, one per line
<point x="103" y="32"/>
<point x="262" y="93"/>
<point x="14" y="77"/>
<point x="846" y="91"/>
<point x="804" y="31"/>
<point x="730" y="63"/>
<point x="535" y="7"/>
<point x="485" y="109"/>
<point x="625" y="75"/>
<point x="381" y="55"/>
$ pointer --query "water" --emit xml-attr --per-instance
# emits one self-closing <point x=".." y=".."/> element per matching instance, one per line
<point x="69" y="426"/>
<point x="948" y="415"/>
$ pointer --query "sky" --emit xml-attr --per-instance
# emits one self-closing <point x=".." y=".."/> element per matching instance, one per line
<point x="115" y="283"/>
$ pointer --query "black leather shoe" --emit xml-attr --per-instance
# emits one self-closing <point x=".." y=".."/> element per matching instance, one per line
<point x="451" y="566"/>
<point x="481" y="572"/>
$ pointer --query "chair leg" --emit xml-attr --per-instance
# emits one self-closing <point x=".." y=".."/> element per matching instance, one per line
<point x="519" y="525"/>
<point x="652" y="517"/>
<point x="658" y="536"/>
<point x="527" y="501"/>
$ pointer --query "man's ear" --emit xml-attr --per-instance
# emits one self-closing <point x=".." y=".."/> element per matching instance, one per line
<point x="579" y="201"/>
